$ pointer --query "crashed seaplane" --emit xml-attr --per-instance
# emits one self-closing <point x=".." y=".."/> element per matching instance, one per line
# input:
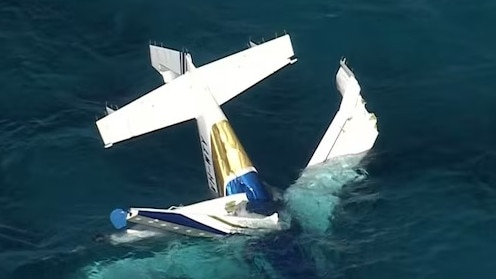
<point x="243" y="205"/>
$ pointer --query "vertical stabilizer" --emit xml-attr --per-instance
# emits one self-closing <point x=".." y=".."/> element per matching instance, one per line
<point x="170" y="63"/>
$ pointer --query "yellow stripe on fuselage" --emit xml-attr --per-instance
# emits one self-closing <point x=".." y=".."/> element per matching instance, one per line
<point x="228" y="155"/>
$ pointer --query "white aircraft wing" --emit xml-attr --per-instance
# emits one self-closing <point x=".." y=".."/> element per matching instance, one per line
<point x="167" y="105"/>
<point x="178" y="100"/>
<point x="231" y="75"/>
<point x="353" y="129"/>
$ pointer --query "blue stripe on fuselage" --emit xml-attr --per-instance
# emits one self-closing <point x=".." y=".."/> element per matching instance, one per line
<point x="250" y="184"/>
<point x="179" y="219"/>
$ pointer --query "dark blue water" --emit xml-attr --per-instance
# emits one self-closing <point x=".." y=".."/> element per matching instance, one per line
<point x="426" y="209"/>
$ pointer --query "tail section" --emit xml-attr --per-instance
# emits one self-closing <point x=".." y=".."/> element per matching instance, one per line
<point x="170" y="63"/>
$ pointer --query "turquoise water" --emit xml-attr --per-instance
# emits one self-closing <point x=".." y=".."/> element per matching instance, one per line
<point x="426" y="208"/>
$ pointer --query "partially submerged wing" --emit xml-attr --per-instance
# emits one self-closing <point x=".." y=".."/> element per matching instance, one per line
<point x="231" y="75"/>
<point x="353" y="129"/>
<point x="167" y="105"/>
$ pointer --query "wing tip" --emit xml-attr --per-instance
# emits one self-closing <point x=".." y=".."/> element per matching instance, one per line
<point x="108" y="145"/>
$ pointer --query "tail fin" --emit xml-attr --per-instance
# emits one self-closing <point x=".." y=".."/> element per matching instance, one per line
<point x="170" y="63"/>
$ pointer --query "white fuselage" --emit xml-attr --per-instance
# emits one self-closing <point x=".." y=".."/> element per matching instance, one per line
<point x="223" y="154"/>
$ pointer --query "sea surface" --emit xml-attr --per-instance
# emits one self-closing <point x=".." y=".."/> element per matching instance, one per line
<point x="423" y="206"/>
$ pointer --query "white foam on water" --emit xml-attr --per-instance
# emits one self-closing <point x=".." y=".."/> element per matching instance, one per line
<point x="313" y="197"/>
<point x="310" y="200"/>
<point x="133" y="234"/>
<point x="181" y="259"/>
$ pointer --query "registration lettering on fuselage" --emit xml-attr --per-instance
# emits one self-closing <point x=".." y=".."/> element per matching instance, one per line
<point x="208" y="165"/>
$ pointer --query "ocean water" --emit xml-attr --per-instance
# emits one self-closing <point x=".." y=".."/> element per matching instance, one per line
<point x="424" y="206"/>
